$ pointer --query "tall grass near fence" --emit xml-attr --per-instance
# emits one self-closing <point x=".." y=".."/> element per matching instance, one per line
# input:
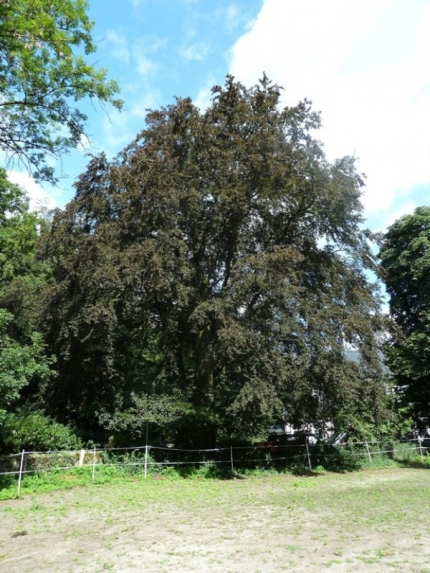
<point x="29" y="472"/>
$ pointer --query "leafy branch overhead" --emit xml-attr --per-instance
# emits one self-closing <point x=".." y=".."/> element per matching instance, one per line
<point x="44" y="70"/>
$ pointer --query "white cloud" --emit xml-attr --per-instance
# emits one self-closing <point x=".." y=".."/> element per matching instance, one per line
<point x="141" y="105"/>
<point x="120" y="128"/>
<point x="196" y="52"/>
<point x="406" y="209"/>
<point x="39" y="197"/>
<point x="144" y="64"/>
<point x="137" y="3"/>
<point x="120" y="46"/>
<point x="233" y="17"/>
<point x="148" y="44"/>
<point x="366" y="67"/>
<point x="116" y="131"/>
<point x="203" y="99"/>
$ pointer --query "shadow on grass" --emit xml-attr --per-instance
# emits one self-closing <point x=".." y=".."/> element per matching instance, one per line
<point x="6" y="482"/>
<point x="199" y="472"/>
<point x="335" y="459"/>
<point x="306" y="472"/>
<point x="415" y="464"/>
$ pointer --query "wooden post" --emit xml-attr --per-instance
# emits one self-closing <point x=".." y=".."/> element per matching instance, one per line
<point x="368" y="452"/>
<point x="21" y="467"/>
<point x="146" y="460"/>
<point x="231" y="459"/>
<point x="94" y="465"/>
<point x="421" y="449"/>
<point x="308" y="453"/>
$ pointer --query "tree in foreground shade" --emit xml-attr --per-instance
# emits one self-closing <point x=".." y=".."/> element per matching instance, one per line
<point x="215" y="267"/>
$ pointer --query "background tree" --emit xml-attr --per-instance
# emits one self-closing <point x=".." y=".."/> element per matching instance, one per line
<point x="217" y="261"/>
<point x="24" y="361"/>
<point x="18" y="364"/>
<point x="18" y="232"/>
<point x="405" y="262"/>
<point x="21" y="272"/>
<point x="42" y="72"/>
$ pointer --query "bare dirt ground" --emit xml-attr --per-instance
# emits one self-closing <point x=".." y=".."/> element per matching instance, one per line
<point x="373" y="521"/>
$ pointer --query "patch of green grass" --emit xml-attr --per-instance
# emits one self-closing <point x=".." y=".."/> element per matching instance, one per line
<point x="326" y="460"/>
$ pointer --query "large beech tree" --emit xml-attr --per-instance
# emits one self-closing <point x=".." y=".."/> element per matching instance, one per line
<point x="216" y="265"/>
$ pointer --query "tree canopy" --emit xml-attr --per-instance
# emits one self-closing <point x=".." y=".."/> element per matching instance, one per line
<point x="22" y="350"/>
<point x="18" y="232"/>
<point x="44" y="69"/>
<point x="19" y="364"/>
<point x="218" y="263"/>
<point x="405" y="262"/>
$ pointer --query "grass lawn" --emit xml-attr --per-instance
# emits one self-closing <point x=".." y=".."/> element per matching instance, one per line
<point x="367" y="521"/>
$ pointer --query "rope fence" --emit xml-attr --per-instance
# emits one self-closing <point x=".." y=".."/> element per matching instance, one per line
<point x="154" y="459"/>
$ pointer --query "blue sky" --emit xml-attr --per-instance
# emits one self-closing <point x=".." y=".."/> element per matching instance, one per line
<point x="365" y="66"/>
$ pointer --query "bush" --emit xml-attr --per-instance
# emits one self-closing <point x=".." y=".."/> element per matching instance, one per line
<point x="404" y="452"/>
<point x="46" y="461"/>
<point x="35" y="431"/>
<point x="335" y="459"/>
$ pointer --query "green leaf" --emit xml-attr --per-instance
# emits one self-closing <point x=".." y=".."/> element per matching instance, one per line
<point x="42" y="74"/>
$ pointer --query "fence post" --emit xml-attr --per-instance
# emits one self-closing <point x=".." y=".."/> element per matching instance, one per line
<point x="231" y="459"/>
<point x="308" y="454"/>
<point x="21" y="466"/>
<point x="368" y="452"/>
<point x="421" y="449"/>
<point x="146" y="460"/>
<point x="94" y="466"/>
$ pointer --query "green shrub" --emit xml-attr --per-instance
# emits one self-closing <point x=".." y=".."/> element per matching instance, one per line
<point x="32" y="431"/>
<point x="405" y="452"/>
<point x="46" y="461"/>
<point x="170" y="472"/>
<point x="378" y="461"/>
<point x="132" y="462"/>
<point x="336" y="459"/>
